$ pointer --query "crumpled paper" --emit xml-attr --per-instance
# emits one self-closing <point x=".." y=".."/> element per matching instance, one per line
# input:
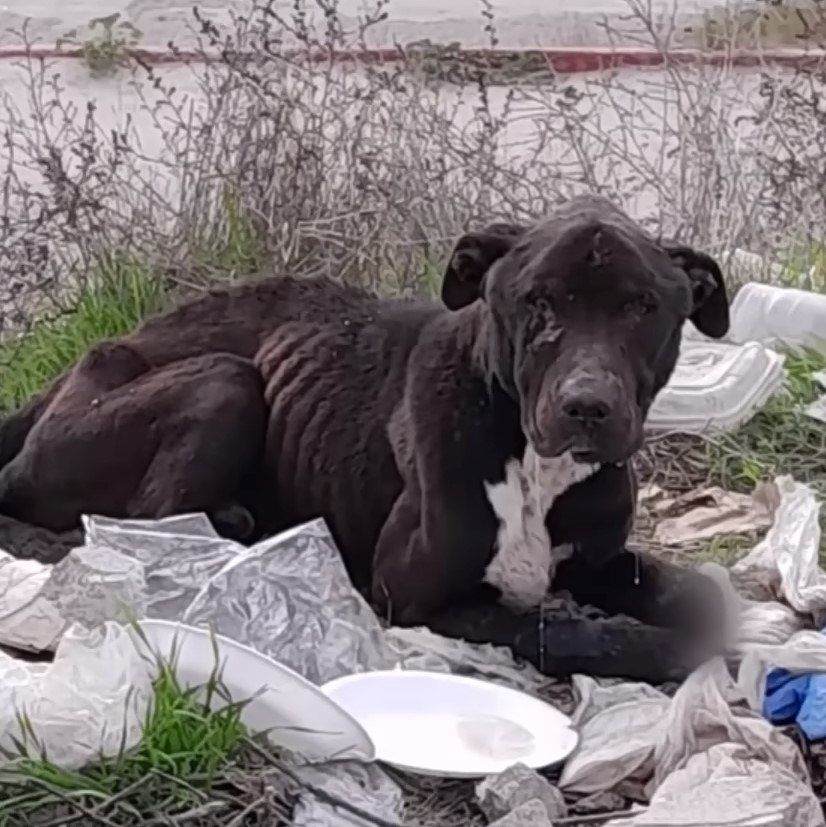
<point x="708" y="512"/>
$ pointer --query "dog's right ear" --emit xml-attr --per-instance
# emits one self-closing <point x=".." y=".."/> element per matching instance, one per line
<point x="471" y="259"/>
<point x="710" y="313"/>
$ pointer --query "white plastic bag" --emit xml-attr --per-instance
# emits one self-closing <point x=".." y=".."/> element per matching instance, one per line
<point x="91" y="585"/>
<point x="788" y="556"/>
<point x="91" y="702"/>
<point x="27" y="621"/>
<point x="705" y="763"/>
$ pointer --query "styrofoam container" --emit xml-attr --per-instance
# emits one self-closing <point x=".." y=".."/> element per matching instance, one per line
<point x="716" y="386"/>
<point x="778" y="315"/>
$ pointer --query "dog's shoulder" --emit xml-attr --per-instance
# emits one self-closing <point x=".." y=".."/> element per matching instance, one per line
<point x="451" y="417"/>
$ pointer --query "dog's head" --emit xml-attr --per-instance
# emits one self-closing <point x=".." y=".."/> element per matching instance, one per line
<point x="584" y="315"/>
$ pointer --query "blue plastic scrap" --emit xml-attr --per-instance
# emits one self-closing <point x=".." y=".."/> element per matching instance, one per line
<point x="797" y="698"/>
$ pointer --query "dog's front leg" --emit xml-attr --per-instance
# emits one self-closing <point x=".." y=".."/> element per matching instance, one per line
<point x="594" y="518"/>
<point x="561" y="645"/>
<point x="650" y="590"/>
<point x="436" y="579"/>
<point x="428" y="558"/>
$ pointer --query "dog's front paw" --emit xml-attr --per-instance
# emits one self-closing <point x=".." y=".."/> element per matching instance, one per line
<point x="695" y="605"/>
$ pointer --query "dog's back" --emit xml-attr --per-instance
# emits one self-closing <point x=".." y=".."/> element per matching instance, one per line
<point x="233" y="320"/>
<point x="237" y="319"/>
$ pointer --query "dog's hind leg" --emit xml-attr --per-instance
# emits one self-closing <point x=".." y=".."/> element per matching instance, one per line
<point x="15" y="428"/>
<point x="178" y="439"/>
<point x="104" y="367"/>
<point x="210" y="446"/>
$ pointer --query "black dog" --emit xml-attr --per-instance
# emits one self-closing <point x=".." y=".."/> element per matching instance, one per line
<point x="445" y="447"/>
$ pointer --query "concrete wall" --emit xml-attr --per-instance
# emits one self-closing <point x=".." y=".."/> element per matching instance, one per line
<point x="520" y="23"/>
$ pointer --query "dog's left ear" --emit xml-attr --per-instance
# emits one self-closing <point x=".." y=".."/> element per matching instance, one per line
<point x="710" y="311"/>
<point x="470" y="260"/>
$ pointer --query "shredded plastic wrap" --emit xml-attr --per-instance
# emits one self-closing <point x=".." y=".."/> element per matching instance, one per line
<point x="90" y="702"/>
<point x="750" y="774"/>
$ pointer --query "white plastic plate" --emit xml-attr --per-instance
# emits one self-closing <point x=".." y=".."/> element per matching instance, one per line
<point x="452" y="726"/>
<point x="293" y="712"/>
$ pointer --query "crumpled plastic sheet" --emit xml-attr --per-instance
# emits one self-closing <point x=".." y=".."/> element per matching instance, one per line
<point x="634" y="735"/>
<point x="91" y="701"/>
<point x="290" y="598"/>
<point x="701" y="714"/>
<point x="41" y="602"/>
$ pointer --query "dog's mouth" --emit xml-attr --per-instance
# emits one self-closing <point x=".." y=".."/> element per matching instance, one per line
<point x="607" y="448"/>
<point x="586" y="456"/>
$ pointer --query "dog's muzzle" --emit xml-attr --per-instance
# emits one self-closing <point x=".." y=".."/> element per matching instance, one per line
<point x="591" y="415"/>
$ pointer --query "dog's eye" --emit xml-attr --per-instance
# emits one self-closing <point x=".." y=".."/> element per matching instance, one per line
<point x="540" y="304"/>
<point x="640" y="306"/>
<point x="648" y="304"/>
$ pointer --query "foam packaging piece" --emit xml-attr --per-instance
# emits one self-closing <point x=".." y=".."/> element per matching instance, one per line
<point x="716" y="386"/>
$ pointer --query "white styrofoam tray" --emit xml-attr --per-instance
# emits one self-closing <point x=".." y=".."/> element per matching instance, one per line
<point x="716" y="386"/>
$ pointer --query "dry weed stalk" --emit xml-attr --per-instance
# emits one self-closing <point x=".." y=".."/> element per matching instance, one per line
<point x="368" y="172"/>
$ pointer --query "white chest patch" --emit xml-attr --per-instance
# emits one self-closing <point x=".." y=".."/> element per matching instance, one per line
<point x="524" y="557"/>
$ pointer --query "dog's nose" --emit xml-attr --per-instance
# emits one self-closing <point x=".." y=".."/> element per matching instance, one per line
<point x="586" y="406"/>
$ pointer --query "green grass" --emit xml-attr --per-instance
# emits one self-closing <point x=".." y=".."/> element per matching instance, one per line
<point x="106" y="50"/>
<point x="726" y="549"/>
<point x="119" y="291"/>
<point x="178" y="765"/>
<point x="780" y="439"/>
<point x="239" y="251"/>
<point x="114" y="297"/>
